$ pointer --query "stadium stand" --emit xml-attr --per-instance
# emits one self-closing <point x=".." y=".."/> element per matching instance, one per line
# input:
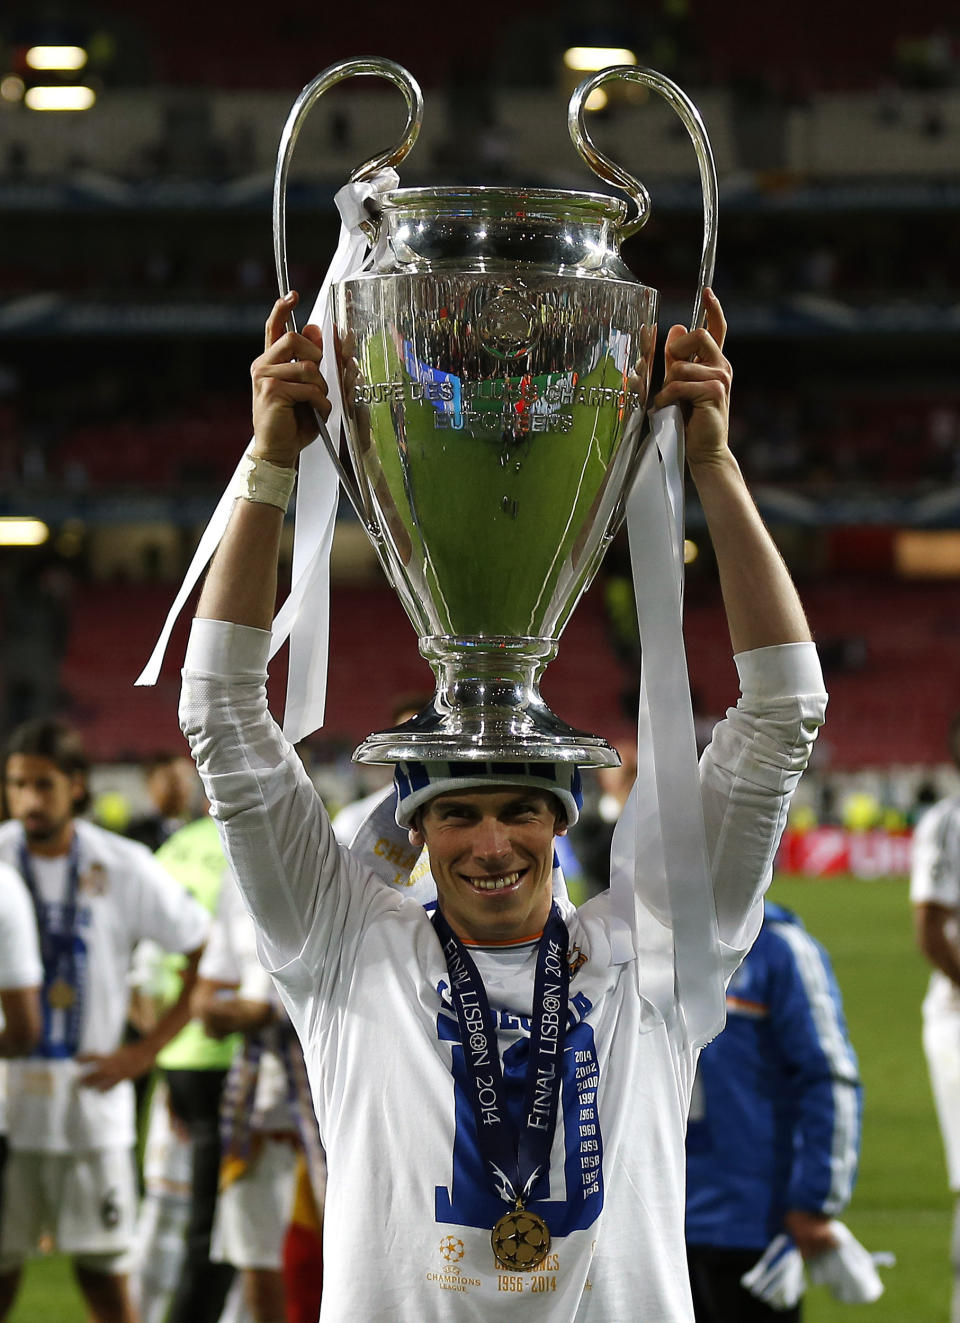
<point x="837" y="268"/>
<point x="891" y="649"/>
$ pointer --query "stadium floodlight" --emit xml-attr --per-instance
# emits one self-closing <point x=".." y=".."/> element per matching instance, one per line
<point x="77" y="97"/>
<point x="591" y="59"/>
<point x="67" y="59"/>
<point x="19" y="531"/>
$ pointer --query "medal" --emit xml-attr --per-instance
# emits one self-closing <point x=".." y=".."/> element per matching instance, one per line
<point x="63" y="954"/>
<point x="61" y="995"/>
<point x="516" y="1157"/>
<point x="520" y="1240"/>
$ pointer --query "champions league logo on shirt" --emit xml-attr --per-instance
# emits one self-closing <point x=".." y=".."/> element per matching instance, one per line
<point x="451" y="1276"/>
<point x="451" y="1249"/>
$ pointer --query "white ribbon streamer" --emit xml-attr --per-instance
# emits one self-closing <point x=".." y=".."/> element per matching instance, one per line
<point x="318" y="492"/>
<point x="316" y="509"/>
<point x="659" y="849"/>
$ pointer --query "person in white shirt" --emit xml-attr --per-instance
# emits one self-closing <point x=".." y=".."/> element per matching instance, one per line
<point x="935" y="895"/>
<point x="502" y="1089"/>
<point x="265" y="1109"/>
<point x="21" y="976"/>
<point x="70" y="1103"/>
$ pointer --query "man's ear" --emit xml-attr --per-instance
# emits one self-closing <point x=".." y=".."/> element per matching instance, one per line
<point x="560" y="826"/>
<point x="416" y="836"/>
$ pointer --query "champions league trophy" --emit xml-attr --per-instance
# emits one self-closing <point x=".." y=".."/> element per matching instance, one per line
<point x="494" y="356"/>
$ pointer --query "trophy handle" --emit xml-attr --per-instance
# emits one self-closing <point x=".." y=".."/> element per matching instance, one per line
<point x="336" y="73"/>
<point x="607" y="169"/>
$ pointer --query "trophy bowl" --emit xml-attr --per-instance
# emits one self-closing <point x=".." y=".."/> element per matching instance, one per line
<point x="495" y="356"/>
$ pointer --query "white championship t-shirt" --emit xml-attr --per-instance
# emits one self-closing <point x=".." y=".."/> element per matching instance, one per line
<point x="384" y="1055"/>
<point x="123" y="896"/>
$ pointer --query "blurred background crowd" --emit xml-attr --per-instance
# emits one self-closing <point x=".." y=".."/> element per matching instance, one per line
<point x="135" y="272"/>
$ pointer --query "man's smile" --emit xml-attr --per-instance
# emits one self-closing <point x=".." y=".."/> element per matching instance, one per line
<point x="491" y="855"/>
<point x="504" y="882"/>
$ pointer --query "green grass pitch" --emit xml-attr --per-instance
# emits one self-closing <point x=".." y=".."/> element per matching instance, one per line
<point x="901" y="1202"/>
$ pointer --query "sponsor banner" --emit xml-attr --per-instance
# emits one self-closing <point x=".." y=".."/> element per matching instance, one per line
<point x="825" y="851"/>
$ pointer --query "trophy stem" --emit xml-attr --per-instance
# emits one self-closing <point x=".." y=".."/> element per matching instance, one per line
<point x="487" y="708"/>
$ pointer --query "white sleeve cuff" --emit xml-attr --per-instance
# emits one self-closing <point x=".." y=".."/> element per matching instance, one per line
<point x="217" y="647"/>
<point x="781" y="671"/>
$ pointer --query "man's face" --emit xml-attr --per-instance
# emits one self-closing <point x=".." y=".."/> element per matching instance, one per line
<point x="42" y="797"/>
<point x="171" y="786"/>
<point x="491" y="856"/>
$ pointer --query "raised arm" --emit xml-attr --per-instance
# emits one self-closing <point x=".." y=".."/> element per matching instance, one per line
<point x="300" y="889"/>
<point x="758" y="753"/>
<point x="241" y="586"/>
<point x="761" y="603"/>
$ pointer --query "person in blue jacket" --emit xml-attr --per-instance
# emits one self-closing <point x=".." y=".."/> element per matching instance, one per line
<point x="774" y="1134"/>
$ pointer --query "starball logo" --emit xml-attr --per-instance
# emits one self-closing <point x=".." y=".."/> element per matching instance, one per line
<point x="451" y="1249"/>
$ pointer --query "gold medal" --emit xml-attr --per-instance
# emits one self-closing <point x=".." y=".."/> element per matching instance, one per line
<point x="520" y="1240"/>
<point x="62" y="995"/>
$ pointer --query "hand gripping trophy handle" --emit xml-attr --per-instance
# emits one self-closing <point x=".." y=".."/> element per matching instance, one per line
<point x="336" y="73"/>
<point x="607" y="169"/>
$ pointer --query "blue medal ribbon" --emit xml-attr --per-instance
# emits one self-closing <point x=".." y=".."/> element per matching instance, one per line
<point x="63" y="955"/>
<point x="516" y="1161"/>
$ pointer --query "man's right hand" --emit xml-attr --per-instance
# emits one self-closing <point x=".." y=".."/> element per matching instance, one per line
<point x="287" y="388"/>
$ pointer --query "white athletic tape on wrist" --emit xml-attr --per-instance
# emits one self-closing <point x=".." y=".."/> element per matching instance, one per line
<point x="263" y="482"/>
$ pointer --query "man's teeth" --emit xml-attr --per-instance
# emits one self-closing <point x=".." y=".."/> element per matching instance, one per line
<point x="495" y="883"/>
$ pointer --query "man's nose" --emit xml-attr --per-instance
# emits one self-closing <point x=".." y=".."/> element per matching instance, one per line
<point x="492" y="840"/>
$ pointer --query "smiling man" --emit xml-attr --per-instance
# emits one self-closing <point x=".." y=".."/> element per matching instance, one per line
<point x="501" y="1080"/>
<point x="491" y="857"/>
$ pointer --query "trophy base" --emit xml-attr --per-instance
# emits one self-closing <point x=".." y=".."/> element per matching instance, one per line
<point x="487" y="708"/>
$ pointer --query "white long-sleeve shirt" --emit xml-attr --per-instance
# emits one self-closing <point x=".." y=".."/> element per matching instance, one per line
<point x="409" y="1211"/>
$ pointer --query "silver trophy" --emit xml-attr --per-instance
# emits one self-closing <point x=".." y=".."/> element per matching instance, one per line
<point x="495" y="358"/>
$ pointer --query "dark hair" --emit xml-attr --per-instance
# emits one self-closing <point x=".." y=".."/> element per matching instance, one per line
<point x="46" y="737"/>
